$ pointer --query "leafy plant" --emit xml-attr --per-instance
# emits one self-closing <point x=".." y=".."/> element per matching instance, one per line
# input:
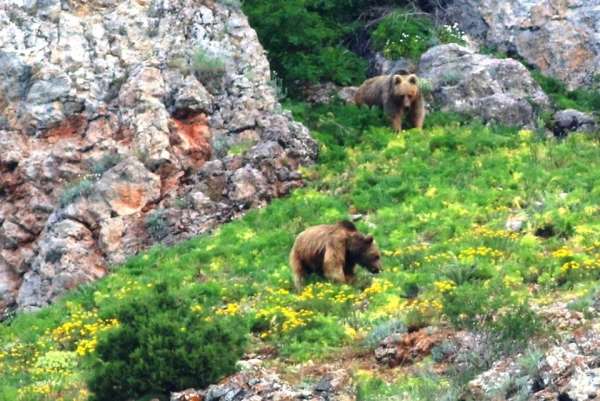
<point x="208" y="66"/>
<point x="82" y="188"/>
<point x="450" y="34"/>
<point x="423" y="386"/>
<point x="162" y="345"/>
<point x="530" y="362"/>
<point x="584" y="99"/>
<point x="383" y="330"/>
<point x="105" y="163"/>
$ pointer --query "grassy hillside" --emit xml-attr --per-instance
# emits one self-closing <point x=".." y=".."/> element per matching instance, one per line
<point x="436" y="202"/>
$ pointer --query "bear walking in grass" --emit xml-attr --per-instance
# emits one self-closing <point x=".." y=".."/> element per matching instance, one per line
<point x="395" y="94"/>
<point x="332" y="251"/>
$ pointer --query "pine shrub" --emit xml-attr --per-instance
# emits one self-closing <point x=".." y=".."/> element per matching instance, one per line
<point x="163" y="345"/>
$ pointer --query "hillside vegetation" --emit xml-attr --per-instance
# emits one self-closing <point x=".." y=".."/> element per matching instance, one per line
<point x="436" y="201"/>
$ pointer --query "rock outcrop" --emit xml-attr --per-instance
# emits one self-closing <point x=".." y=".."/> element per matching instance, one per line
<point x="562" y="372"/>
<point x="498" y="90"/>
<point x="560" y="37"/>
<point x="379" y="65"/>
<point x="570" y="120"/>
<point x="257" y="384"/>
<point x="127" y="122"/>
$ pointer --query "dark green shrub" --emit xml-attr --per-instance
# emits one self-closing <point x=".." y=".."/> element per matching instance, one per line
<point x="161" y="345"/>
<point x="300" y="51"/>
<point x="306" y="40"/>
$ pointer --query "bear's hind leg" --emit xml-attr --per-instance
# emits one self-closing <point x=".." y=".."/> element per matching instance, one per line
<point x="298" y="272"/>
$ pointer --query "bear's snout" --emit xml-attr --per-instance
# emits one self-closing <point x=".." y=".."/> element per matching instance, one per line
<point x="375" y="267"/>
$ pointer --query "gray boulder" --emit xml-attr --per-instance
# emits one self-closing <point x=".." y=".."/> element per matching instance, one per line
<point x="379" y="65"/>
<point x="570" y="120"/>
<point x="499" y="90"/>
<point x="560" y="37"/>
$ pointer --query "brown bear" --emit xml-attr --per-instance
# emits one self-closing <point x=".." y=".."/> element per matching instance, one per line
<point x="332" y="251"/>
<point x="394" y="93"/>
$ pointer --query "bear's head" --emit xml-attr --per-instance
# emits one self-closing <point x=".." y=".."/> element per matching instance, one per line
<point x="405" y="88"/>
<point x="365" y="251"/>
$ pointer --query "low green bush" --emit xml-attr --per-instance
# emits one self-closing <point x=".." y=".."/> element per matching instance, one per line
<point x="383" y="330"/>
<point x="162" y="344"/>
<point x="423" y="386"/>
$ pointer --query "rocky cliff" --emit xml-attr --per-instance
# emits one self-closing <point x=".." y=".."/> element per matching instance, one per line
<point x="560" y="37"/>
<point x="124" y="123"/>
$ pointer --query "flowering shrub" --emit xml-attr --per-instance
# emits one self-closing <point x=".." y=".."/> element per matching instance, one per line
<point x="409" y="34"/>
<point x="451" y="34"/>
<point x="80" y="332"/>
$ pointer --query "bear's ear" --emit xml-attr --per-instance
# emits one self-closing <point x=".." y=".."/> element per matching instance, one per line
<point x="369" y="239"/>
<point x="412" y="79"/>
<point x="397" y="79"/>
<point x="348" y="225"/>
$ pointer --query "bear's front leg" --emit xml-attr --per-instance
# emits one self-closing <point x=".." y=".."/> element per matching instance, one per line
<point x="417" y="113"/>
<point x="333" y="264"/>
<point x="397" y="120"/>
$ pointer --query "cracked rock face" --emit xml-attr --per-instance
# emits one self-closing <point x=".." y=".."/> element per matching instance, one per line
<point x="568" y="371"/>
<point x="257" y="384"/>
<point x="560" y="37"/>
<point x="498" y="90"/>
<point x="112" y="111"/>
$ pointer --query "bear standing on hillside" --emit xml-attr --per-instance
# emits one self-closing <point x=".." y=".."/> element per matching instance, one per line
<point x="332" y="251"/>
<point x="394" y="93"/>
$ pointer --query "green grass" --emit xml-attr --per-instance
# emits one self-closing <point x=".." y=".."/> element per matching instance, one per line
<point x="436" y="201"/>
